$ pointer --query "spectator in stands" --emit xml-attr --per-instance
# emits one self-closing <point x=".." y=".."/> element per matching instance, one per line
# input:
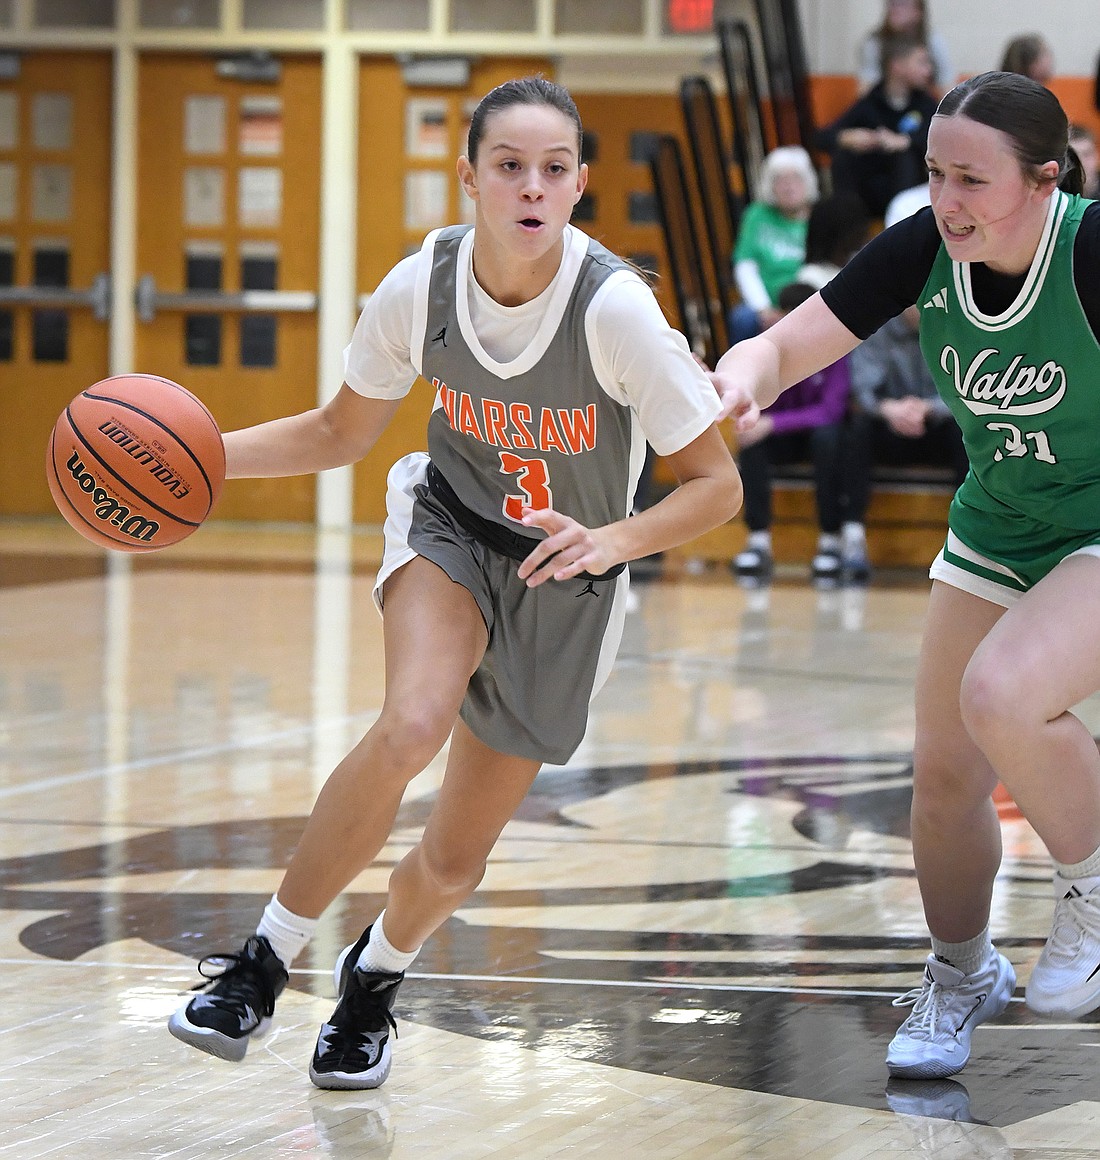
<point x="838" y="226"/>
<point x="1083" y="141"/>
<point x="903" y="18"/>
<point x="1030" y="56"/>
<point x="878" y="144"/>
<point x="898" y="418"/>
<point x="906" y="203"/>
<point x="810" y="419"/>
<point x="771" y="241"/>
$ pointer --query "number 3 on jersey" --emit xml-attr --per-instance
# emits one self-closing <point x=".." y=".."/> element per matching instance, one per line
<point x="532" y="478"/>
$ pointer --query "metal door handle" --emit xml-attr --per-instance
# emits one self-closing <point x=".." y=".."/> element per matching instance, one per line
<point x="97" y="296"/>
<point x="149" y="300"/>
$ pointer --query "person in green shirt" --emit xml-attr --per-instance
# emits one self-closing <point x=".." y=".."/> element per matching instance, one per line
<point x="1004" y="267"/>
<point x="771" y="240"/>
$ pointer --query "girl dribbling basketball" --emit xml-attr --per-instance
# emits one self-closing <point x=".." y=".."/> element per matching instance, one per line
<point x="503" y="579"/>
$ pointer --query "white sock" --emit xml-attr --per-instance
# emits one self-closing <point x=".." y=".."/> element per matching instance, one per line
<point x="853" y="534"/>
<point x="286" y="931"/>
<point x="760" y="541"/>
<point x="381" y="955"/>
<point x="968" y="956"/>
<point x="828" y="542"/>
<point x="1089" y="868"/>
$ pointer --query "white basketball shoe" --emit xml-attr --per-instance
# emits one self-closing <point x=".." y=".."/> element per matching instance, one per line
<point x="1065" y="982"/>
<point x="934" y="1041"/>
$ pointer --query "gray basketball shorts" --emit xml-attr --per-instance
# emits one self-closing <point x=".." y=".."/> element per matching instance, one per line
<point x="550" y="648"/>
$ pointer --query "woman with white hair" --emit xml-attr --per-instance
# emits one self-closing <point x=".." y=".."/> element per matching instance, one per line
<point x="771" y="242"/>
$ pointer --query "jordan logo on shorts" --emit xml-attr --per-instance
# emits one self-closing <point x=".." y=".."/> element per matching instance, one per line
<point x="589" y="590"/>
<point x="441" y="336"/>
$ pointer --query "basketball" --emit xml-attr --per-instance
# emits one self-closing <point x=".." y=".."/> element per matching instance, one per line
<point x="135" y="463"/>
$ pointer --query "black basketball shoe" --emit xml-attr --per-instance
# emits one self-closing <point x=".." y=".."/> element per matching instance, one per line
<point x="238" y="1003"/>
<point x="353" y="1048"/>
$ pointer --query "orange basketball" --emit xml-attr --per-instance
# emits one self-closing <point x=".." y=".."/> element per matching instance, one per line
<point x="135" y="463"/>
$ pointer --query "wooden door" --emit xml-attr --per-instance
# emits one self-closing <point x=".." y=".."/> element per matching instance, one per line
<point x="620" y="206"/>
<point x="227" y="252"/>
<point x="55" y="181"/>
<point x="409" y="140"/>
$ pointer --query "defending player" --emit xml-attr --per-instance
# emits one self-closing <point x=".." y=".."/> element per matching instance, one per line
<point x="1004" y="267"/>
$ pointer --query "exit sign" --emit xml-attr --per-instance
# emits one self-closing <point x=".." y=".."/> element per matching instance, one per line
<point x="690" y="15"/>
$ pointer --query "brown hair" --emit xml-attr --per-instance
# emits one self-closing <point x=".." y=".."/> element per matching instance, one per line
<point x="536" y="90"/>
<point x="1027" y="113"/>
<point x="885" y="28"/>
<point x="1022" y="52"/>
<point x="897" y="46"/>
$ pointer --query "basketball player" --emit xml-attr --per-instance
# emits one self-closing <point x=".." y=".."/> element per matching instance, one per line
<point x="1004" y="267"/>
<point x="503" y="578"/>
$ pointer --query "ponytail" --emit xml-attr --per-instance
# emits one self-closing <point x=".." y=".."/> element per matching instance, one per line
<point x="1071" y="174"/>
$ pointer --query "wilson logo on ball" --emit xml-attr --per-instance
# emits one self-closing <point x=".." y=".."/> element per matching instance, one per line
<point x="109" y="509"/>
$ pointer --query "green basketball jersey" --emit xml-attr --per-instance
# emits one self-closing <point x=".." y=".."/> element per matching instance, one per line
<point x="1025" y="388"/>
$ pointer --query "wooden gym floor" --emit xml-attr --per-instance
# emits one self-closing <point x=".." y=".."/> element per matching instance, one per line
<point x="686" y="946"/>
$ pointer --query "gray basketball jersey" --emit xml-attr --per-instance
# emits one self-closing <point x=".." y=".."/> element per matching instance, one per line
<point x="547" y="436"/>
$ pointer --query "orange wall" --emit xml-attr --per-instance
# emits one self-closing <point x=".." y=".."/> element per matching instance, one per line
<point x="1076" y="95"/>
<point x="830" y="95"/>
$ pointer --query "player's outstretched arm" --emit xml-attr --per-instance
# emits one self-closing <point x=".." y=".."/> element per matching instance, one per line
<point x="751" y="375"/>
<point x="340" y="432"/>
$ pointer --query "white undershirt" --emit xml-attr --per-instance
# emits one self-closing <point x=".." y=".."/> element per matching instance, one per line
<point x="638" y="358"/>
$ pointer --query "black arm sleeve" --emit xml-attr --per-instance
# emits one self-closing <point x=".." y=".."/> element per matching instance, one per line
<point x="886" y="276"/>
<point x="1086" y="262"/>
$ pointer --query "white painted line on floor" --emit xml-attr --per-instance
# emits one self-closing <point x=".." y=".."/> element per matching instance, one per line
<point x="178" y="757"/>
<point x="547" y="980"/>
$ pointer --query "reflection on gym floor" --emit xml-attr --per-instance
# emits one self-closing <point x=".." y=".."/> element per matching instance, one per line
<point x="687" y="942"/>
